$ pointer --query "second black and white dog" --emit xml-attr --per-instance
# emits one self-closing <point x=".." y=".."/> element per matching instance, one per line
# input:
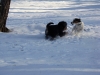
<point x="55" y="30"/>
<point x="79" y="26"/>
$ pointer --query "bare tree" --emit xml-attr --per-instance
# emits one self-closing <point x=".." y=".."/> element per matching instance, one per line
<point x="4" y="10"/>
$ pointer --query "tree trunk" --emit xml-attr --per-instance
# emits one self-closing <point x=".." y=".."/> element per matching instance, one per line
<point x="4" y="10"/>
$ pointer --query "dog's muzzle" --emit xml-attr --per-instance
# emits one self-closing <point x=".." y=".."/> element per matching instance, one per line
<point x="72" y="23"/>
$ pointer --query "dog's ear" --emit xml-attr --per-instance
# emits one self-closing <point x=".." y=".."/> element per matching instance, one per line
<point x="62" y="25"/>
<point x="79" y="20"/>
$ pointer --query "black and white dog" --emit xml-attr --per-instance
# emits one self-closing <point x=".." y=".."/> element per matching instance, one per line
<point x="79" y="26"/>
<point x="55" y="30"/>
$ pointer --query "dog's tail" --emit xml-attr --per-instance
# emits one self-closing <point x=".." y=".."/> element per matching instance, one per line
<point x="49" y="24"/>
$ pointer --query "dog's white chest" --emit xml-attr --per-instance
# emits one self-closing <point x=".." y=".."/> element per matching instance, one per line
<point x="78" y="27"/>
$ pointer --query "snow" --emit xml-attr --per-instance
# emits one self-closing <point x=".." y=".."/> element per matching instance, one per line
<point x="25" y="51"/>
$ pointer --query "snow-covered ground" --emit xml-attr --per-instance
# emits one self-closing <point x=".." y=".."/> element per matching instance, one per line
<point x="25" y="51"/>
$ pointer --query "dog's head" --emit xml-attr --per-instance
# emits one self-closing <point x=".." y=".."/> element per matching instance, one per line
<point x="76" y="20"/>
<point x="62" y="25"/>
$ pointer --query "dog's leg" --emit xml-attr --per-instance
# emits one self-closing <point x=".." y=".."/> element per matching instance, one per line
<point x="46" y="34"/>
<point x="73" y="32"/>
<point x="46" y="37"/>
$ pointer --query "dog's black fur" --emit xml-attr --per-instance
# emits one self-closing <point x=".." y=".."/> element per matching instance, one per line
<point x="55" y="30"/>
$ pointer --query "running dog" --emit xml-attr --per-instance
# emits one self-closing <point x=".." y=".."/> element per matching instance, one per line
<point x="79" y="26"/>
<point x="55" y="30"/>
